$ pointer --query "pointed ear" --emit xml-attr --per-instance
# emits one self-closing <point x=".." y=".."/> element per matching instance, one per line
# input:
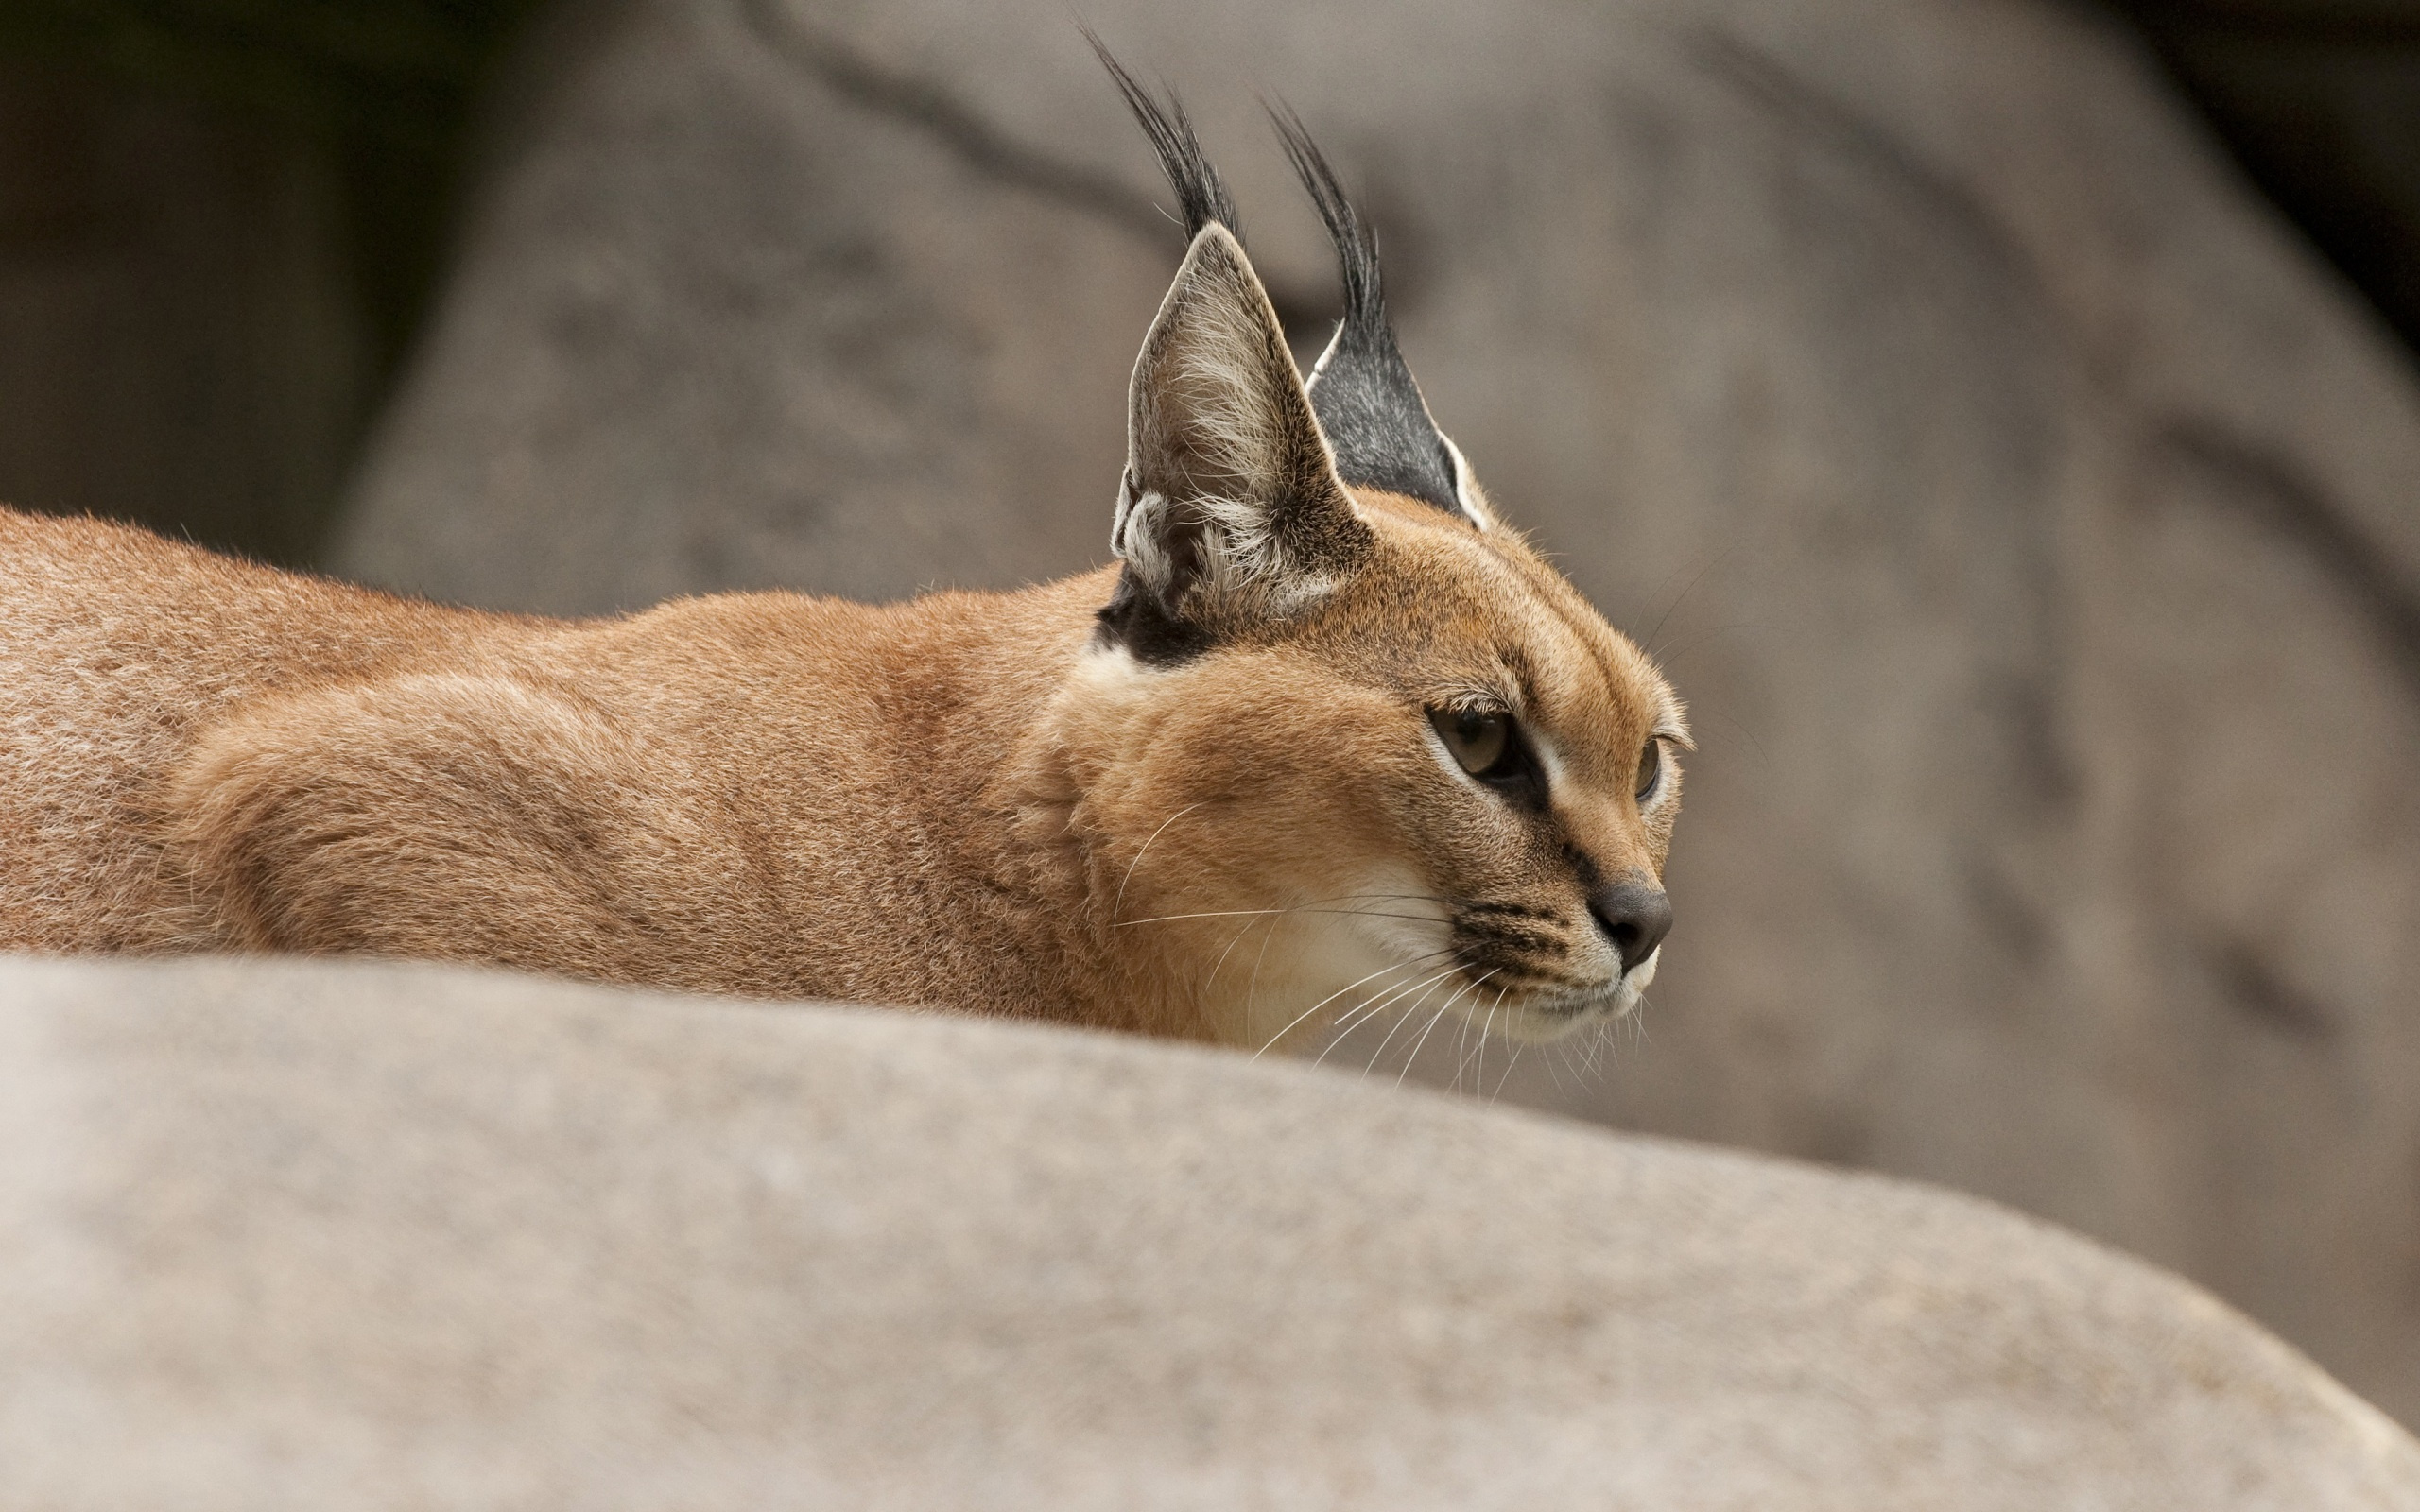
<point x="1231" y="510"/>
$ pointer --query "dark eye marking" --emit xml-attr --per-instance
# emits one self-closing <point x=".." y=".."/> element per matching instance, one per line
<point x="1480" y="740"/>
<point x="1650" y="770"/>
<point x="1489" y="745"/>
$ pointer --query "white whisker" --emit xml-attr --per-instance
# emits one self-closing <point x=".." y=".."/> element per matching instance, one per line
<point x="1462" y="1061"/>
<point x="1517" y="1048"/>
<point x="1251" y="987"/>
<point x="1396" y="1028"/>
<point x="1557" y="1053"/>
<point x="1237" y="939"/>
<point x="1120" y="901"/>
<point x="1472" y="988"/>
<point x="1370" y="1010"/>
<point x="1461" y="1053"/>
<point x="1297" y="908"/>
<point x="1323" y="1003"/>
<point x="1367" y="1012"/>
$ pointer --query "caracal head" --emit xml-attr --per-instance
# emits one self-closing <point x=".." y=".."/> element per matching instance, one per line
<point x="1346" y="741"/>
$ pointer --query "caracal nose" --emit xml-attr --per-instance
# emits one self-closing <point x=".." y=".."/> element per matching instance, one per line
<point x="1636" y="916"/>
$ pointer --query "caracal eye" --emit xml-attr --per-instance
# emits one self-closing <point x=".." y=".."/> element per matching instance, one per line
<point x="1650" y="770"/>
<point x="1481" y="742"/>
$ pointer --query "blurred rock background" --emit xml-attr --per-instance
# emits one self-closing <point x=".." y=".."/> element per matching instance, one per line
<point x="221" y="224"/>
<point x="1992" y="413"/>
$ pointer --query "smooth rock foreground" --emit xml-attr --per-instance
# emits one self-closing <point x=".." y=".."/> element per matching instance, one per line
<point x="359" y="1236"/>
<point x="2026" y="517"/>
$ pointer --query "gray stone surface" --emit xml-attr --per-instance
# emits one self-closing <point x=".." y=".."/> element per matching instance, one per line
<point x="353" y="1236"/>
<point x="2028" y="518"/>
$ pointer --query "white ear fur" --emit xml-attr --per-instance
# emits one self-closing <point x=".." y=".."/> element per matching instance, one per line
<point x="1466" y="493"/>
<point x="1230" y="496"/>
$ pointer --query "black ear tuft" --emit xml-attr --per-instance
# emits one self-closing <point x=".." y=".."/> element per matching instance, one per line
<point x="1200" y="192"/>
<point x="1361" y="391"/>
<point x="1356" y="245"/>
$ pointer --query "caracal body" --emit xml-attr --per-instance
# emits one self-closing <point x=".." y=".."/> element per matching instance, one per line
<point x="1328" y="737"/>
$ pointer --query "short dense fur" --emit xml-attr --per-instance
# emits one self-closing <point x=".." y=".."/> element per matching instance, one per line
<point x="1198" y="793"/>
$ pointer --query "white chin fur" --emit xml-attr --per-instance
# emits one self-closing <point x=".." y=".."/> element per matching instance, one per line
<point x="1635" y="980"/>
<point x="1555" y="1021"/>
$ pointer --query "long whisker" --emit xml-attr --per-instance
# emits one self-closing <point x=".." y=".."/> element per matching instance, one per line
<point x="1297" y="908"/>
<point x="1120" y="901"/>
<point x="1396" y="1030"/>
<point x="1461" y="1051"/>
<point x="1479" y="1078"/>
<point x="1673" y="652"/>
<point x="1362" y="1013"/>
<point x="1647" y="642"/>
<point x="1650" y="643"/>
<point x="1436" y="1016"/>
<point x="1558" y="1053"/>
<point x="1316" y="905"/>
<point x="1380" y="1004"/>
<point x="1698" y="708"/>
<point x="1251" y="987"/>
<point x="1323" y="1003"/>
<point x="1212" y="980"/>
<point x="1596" y="1043"/>
<point x="1370" y="1010"/>
<point x="1473" y="990"/>
<point x="1517" y="1048"/>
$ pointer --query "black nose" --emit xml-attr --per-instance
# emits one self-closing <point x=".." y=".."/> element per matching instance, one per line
<point x="1636" y="916"/>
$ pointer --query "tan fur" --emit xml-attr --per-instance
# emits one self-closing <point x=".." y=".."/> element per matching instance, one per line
<point x="962" y="800"/>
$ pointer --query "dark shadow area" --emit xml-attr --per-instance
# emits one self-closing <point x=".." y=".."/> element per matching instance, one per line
<point x="2320" y="101"/>
<point x="220" y="224"/>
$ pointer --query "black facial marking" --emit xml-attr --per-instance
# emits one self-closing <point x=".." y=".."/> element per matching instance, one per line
<point x="1362" y="392"/>
<point x="1136" y="620"/>
<point x="1523" y="777"/>
<point x="1514" y="963"/>
<point x="1497" y="932"/>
